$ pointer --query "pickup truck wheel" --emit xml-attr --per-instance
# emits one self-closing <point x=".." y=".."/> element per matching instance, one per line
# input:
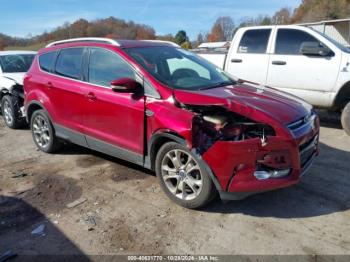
<point x="43" y="132"/>
<point x="11" y="112"/>
<point x="182" y="177"/>
<point x="345" y="118"/>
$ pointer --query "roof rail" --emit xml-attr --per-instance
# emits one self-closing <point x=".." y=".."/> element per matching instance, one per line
<point x="162" y="41"/>
<point x="85" y="39"/>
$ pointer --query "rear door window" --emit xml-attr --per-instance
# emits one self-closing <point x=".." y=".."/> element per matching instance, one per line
<point x="289" y="41"/>
<point x="69" y="62"/>
<point x="46" y="61"/>
<point x="254" y="41"/>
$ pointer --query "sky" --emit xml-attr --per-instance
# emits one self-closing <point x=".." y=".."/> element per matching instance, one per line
<point x="23" y="17"/>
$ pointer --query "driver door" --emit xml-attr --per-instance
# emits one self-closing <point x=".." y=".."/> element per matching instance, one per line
<point x="113" y="121"/>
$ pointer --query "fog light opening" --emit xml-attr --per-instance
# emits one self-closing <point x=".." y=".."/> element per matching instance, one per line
<point x="266" y="174"/>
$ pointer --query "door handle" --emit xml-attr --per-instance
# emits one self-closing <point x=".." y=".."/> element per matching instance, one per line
<point x="279" y="62"/>
<point x="91" y="96"/>
<point x="234" y="60"/>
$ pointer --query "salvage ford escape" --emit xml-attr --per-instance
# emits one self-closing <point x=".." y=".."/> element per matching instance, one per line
<point x="157" y="105"/>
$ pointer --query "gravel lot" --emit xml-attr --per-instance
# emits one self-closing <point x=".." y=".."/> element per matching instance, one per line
<point x="126" y="212"/>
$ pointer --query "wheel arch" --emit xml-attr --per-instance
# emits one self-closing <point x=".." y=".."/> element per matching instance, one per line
<point x="32" y="107"/>
<point x="342" y="97"/>
<point x="3" y="92"/>
<point x="160" y="138"/>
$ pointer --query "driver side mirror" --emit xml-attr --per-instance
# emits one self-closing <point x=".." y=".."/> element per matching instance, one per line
<point x="315" y="49"/>
<point x="126" y="85"/>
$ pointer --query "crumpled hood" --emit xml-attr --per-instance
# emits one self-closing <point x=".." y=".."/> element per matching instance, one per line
<point x="17" y="77"/>
<point x="281" y="106"/>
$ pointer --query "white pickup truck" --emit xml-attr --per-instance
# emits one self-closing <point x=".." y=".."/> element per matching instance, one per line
<point x="295" y="59"/>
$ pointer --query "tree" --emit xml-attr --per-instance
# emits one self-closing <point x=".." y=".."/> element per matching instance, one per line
<point x="181" y="37"/>
<point x="186" y="45"/>
<point x="227" y="26"/>
<point x="2" y="45"/>
<point x="200" y="38"/>
<point x="283" y="16"/>
<point x="79" y="28"/>
<point x="145" y="32"/>
<point x="168" y="37"/>
<point x="263" y="20"/>
<point x="317" y="10"/>
<point x="216" y="34"/>
<point x="198" y="41"/>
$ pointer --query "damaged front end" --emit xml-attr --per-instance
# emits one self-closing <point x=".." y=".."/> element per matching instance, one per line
<point x="11" y="87"/>
<point x="246" y="156"/>
<point x="214" y="123"/>
<point x="245" y="148"/>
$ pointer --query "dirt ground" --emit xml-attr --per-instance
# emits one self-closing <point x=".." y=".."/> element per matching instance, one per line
<point x="126" y="212"/>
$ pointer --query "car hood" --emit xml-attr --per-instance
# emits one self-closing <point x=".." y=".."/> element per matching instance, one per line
<point x="240" y="98"/>
<point x="17" y="77"/>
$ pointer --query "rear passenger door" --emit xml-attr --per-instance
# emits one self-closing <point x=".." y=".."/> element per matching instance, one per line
<point x="248" y="59"/>
<point x="113" y="121"/>
<point x="62" y="87"/>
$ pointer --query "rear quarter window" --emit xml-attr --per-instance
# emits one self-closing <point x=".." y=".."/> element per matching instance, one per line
<point x="46" y="61"/>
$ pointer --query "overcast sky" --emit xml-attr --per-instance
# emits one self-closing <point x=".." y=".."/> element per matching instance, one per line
<point x="24" y="17"/>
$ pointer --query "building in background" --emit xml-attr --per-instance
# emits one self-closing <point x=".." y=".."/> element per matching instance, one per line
<point x="338" y="29"/>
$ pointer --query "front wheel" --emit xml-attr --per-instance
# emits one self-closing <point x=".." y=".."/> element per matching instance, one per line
<point x="345" y="118"/>
<point x="182" y="177"/>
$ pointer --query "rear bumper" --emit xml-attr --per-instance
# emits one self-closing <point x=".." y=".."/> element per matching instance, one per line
<point x="235" y="163"/>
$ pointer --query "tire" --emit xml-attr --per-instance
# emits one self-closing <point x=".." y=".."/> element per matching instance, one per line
<point x="345" y="118"/>
<point x="10" y="110"/>
<point x="43" y="132"/>
<point x="184" y="181"/>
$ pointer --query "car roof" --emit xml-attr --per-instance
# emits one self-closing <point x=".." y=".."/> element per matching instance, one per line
<point x="17" y="52"/>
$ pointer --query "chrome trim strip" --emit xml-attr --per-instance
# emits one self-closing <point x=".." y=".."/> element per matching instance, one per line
<point x="312" y="143"/>
<point x="307" y="166"/>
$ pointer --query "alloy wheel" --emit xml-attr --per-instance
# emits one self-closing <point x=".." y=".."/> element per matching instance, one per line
<point x="181" y="174"/>
<point x="41" y="131"/>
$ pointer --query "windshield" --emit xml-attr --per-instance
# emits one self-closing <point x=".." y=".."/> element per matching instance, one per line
<point x="16" y="63"/>
<point x="178" y="68"/>
<point x="334" y="42"/>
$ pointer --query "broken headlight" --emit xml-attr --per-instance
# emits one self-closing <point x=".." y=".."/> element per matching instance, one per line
<point x="226" y="126"/>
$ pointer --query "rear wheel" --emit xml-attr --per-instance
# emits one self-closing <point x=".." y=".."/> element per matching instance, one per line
<point x="182" y="177"/>
<point x="345" y="118"/>
<point x="43" y="132"/>
<point x="11" y="112"/>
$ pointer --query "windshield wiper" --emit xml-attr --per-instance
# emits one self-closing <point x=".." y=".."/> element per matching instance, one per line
<point x="220" y="84"/>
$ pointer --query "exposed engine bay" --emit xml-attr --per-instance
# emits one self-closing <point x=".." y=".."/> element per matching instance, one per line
<point x="215" y="123"/>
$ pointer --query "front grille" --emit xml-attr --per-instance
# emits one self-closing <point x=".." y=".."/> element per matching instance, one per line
<point x="307" y="150"/>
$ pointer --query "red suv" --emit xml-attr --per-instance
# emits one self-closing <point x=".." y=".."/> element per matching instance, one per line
<point x="152" y="103"/>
